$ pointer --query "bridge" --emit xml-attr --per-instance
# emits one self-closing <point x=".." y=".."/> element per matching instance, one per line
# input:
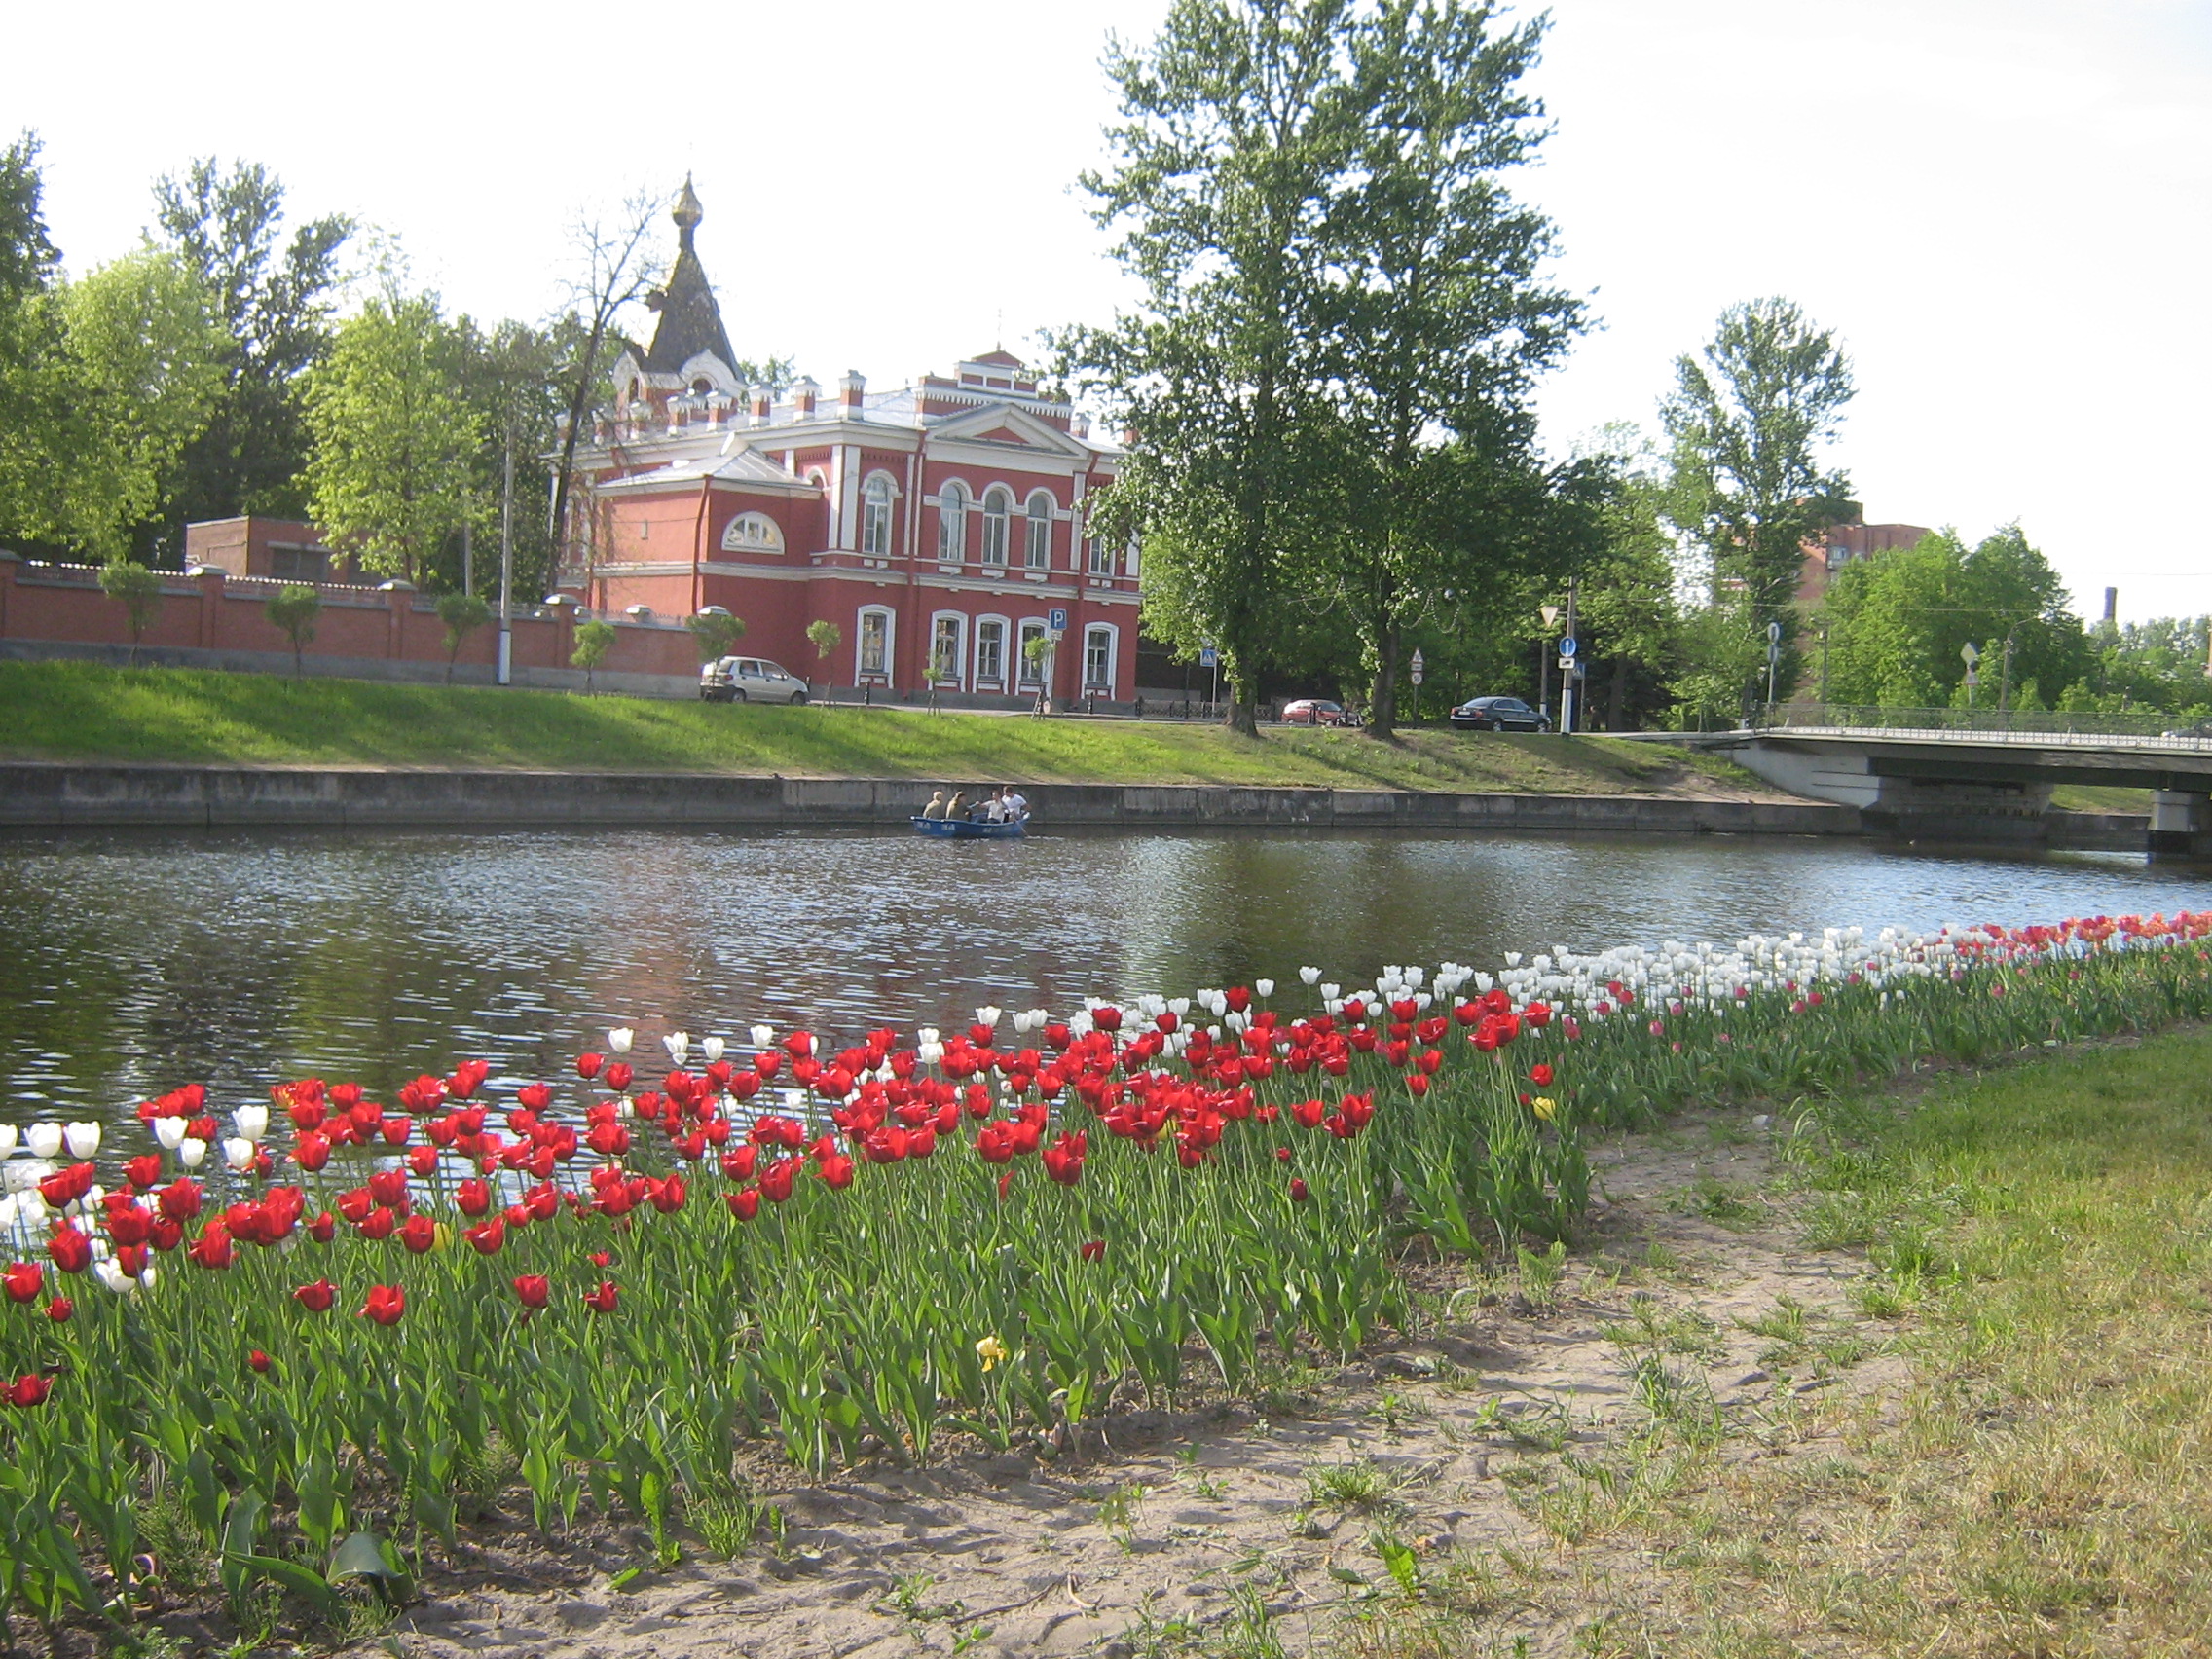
<point x="1984" y="784"/>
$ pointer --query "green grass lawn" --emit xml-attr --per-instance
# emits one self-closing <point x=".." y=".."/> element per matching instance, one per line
<point x="2099" y="797"/>
<point x="72" y="710"/>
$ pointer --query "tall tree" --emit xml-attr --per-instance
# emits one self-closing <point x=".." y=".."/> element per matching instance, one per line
<point x="616" y="268"/>
<point x="32" y="406"/>
<point x="144" y="370"/>
<point x="1435" y="321"/>
<point x="1235" y="125"/>
<point x="1748" y="419"/>
<point x="274" y="303"/>
<point x="394" y="442"/>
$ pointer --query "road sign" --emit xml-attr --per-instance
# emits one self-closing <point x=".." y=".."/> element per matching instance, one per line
<point x="1208" y="657"/>
<point x="1549" y="612"/>
<point x="1418" y="667"/>
<point x="1566" y="667"/>
<point x="1972" y="679"/>
<point x="1056" y="620"/>
<point x="1969" y="654"/>
<point x="1773" y="633"/>
<point x="1566" y="649"/>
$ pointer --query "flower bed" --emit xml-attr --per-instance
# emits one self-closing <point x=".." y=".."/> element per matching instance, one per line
<point x="268" y="1328"/>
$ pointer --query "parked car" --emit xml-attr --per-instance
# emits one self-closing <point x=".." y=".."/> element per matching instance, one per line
<point x="1317" y="711"/>
<point x="1498" y="714"/>
<point x="748" y="679"/>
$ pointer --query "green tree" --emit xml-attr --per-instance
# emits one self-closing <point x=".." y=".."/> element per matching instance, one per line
<point x="1747" y="418"/>
<point x="826" y="637"/>
<point x="396" y="443"/>
<point x="1628" y="617"/>
<point x="140" y="592"/>
<point x="716" y="631"/>
<point x="1435" y="323"/>
<point x="1235" y="124"/>
<point x="294" y="609"/>
<point x="143" y="370"/>
<point x="594" y="639"/>
<point x="272" y="300"/>
<point x="33" y="408"/>
<point x="462" y="614"/>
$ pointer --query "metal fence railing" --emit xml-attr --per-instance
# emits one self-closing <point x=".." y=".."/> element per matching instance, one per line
<point x="1990" y="726"/>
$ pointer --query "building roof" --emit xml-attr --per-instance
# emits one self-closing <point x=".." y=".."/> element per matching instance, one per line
<point x="690" y="322"/>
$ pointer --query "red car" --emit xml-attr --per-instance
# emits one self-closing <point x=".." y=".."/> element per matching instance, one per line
<point x="1316" y="710"/>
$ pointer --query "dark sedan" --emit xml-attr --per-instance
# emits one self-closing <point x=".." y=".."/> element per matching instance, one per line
<point x="1498" y="714"/>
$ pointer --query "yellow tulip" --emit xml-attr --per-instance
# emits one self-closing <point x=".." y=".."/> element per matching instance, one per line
<point x="1545" y="1107"/>
<point x="991" y="1352"/>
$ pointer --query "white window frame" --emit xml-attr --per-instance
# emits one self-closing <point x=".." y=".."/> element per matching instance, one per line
<point x="956" y="658"/>
<point x="952" y="523"/>
<point x="863" y="673"/>
<point x="998" y="677"/>
<point x="753" y="533"/>
<point x="878" y="493"/>
<point x="1037" y="544"/>
<point x="1092" y="633"/>
<point x="998" y="524"/>
<point x="1031" y="628"/>
<point x="1101" y="556"/>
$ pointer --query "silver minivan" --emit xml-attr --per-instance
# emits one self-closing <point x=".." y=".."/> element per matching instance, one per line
<point x="748" y="680"/>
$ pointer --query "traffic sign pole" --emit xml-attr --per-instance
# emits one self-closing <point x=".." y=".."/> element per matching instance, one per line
<point x="1568" y="675"/>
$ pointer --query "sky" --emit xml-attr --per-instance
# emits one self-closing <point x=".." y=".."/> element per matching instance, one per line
<point x="2002" y="208"/>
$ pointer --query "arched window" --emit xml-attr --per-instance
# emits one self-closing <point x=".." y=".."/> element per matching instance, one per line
<point x="947" y="632"/>
<point x="952" y="524"/>
<point x="1038" y="554"/>
<point x="998" y="509"/>
<point x="876" y="516"/>
<point x="1098" y="658"/>
<point x="753" y="533"/>
<point x="874" y="644"/>
<point x="990" y="652"/>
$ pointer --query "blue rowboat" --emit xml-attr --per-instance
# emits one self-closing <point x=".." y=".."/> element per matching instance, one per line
<point x="966" y="829"/>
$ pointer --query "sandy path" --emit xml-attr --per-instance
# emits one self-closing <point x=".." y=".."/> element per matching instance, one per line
<point x="1191" y="1517"/>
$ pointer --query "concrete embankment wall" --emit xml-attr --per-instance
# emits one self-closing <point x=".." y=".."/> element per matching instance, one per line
<point x="58" y="796"/>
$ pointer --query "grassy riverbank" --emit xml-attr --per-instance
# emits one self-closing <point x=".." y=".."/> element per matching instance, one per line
<point x="1992" y="1444"/>
<point x="70" y="711"/>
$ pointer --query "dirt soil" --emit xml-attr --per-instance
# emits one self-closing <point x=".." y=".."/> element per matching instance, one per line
<point x="1185" y="1520"/>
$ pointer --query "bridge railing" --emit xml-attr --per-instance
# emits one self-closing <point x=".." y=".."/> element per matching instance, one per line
<point x="1989" y="726"/>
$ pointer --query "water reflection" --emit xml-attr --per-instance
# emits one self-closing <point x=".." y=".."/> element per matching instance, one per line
<point x="136" y="962"/>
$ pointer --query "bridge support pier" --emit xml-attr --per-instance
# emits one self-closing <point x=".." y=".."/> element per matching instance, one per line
<point x="2181" y="824"/>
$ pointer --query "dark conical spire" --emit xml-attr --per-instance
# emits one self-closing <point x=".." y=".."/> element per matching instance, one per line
<point x="690" y="322"/>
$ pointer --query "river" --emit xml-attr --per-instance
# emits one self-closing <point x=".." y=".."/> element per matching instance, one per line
<point x="135" y="962"/>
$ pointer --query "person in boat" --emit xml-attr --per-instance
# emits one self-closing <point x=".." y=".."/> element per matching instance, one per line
<point x="981" y="812"/>
<point x="1016" y="805"/>
<point x="936" y="807"/>
<point x="956" y="807"/>
<point x="994" y="807"/>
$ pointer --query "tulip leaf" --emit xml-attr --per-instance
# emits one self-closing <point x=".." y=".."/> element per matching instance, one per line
<point x="364" y="1555"/>
<point x="303" y="1581"/>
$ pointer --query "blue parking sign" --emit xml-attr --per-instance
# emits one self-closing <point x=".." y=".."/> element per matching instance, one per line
<point x="1056" y="618"/>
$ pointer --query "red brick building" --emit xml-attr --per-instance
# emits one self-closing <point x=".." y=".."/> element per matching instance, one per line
<point x="940" y="527"/>
<point x="284" y="550"/>
<point x="1841" y="543"/>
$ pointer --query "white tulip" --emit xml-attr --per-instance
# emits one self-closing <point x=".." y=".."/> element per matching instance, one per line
<point x="84" y="1139"/>
<point x="621" y="1038"/>
<point x="114" y="1278"/>
<point x="237" y="1152"/>
<point x="1312" y="975"/>
<point x="252" y="1122"/>
<point x="45" y="1139"/>
<point x="987" y="1014"/>
<point x="151" y="1273"/>
<point x="1330" y="993"/>
<point x="762" y="1035"/>
<point x="712" y="1047"/>
<point x="1179" y="1006"/>
<point x="170" y="1132"/>
<point x="1264" y="988"/>
<point x="678" y="1046"/>
<point x="191" y="1150"/>
<point x="928" y="1053"/>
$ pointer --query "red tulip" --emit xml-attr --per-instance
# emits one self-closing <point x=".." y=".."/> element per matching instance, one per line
<point x="1540" y="1074"/>
<point x="473" y="1196"/>
<point x="24" y="1280"/>
<point x="601" y="1299"/>
<point x="618" y="1076"/>
<point x="323" y="1229"/>
<point x="377" y="1224"/>
<point x="535" y="1290"/>
<point x="1092" y="1251"/>
<point x="388" y="1187"/>
<point x="1063" y="1158"/>
<point x="487" y="1237"/>
<point x="1299" y="1192"/>
<point x="312" y="1151"/>
<point x="143" y="1170"/>
<point x="386" y="1304"/>
<point x="423" y="1160"/>
<point x="71" y="1250"/>
<point x="257" y="1360"/>
<point x="744" y="1204"/>
<point x="213" y="1249"/>
<point x="317" y="1297"/>
<point x="59" y="1310"/>
<point x="29" y="1390"/>
<point x="419" y="1232"/>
